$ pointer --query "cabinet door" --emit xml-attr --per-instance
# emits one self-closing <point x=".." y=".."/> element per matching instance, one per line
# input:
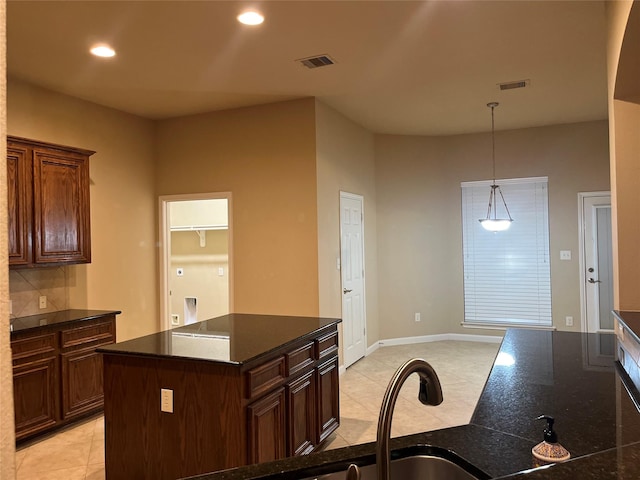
<point x="19" y="204"/>
<point x="328" y="399"/>
<point x="61" y="207"/>
<point x="301" y="412"/>
<point x="267" y="428"/>
<point x="35" y="395"/>
<point x="82" y="381"/>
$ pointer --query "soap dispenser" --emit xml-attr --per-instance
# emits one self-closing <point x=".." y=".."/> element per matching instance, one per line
<point x="549" y="450"/>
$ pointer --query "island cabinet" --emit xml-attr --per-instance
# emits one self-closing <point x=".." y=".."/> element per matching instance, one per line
<point x="48" y="204"/>
<point x="57" y="374"/>
<point x="243" y="400"/>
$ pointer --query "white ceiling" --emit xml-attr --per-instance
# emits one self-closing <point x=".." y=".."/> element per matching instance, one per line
<point x="403" y="67"/>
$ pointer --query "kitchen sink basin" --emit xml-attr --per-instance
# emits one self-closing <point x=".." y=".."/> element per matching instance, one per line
<point x="412" y="463"/>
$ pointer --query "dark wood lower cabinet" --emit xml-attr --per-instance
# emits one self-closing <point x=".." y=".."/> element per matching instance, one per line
<point x="35" y="387"/>
<point x="57" y="374"/>
<point x="81" y="381"/>
<point x="328" y="399"/>
<point x="266" y="427"/>
<point x="302" y="423"/>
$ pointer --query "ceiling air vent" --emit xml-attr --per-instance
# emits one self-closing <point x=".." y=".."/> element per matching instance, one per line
<point x="316" y="61"/>
<point x="512" y="85"/>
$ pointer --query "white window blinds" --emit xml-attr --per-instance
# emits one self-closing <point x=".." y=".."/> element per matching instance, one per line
<point x="507" y="278"/>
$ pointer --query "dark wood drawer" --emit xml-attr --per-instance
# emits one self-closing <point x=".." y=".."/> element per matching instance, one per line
<point x="300" y="358"/>
<point x="102" y="332"/>
<point x="37" y="345"/>
<point x="263" y="378"/>
<point x="327" y="345"/>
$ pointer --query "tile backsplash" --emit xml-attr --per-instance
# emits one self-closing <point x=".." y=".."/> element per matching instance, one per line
<point x="28" y="285"/>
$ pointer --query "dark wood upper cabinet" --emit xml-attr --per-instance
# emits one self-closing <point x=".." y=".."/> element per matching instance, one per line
<point x="48" y="198"/>
<point x="19" y="198"/>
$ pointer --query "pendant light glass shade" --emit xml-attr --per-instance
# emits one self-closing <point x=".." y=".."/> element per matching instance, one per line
<point x="492" y="222"/>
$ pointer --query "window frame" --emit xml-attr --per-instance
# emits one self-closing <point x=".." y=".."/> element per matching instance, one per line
<point x="485" y="292"/>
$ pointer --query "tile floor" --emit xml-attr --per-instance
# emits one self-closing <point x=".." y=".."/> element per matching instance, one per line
<point x="77" y="453"/>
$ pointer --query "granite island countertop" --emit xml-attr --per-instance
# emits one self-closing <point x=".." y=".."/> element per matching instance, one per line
<point x="236" y="338"/>
<point x="570" y="376"/>
<point x="631" y="320"/>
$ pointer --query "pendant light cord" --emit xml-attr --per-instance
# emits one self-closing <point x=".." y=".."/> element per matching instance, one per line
<point x="493" y="144"/>
<point x="493" y="105"/>
<point x="492" y="208"/>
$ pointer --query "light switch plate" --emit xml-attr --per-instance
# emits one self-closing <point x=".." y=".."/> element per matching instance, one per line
<point x="166" y="400"/>
<point x="565" y="254"/>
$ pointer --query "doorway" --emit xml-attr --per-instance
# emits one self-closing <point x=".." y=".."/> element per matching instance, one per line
<point x="353" y="277"/>
<point x="596" y="262"/>
<point x="195" y="258"/>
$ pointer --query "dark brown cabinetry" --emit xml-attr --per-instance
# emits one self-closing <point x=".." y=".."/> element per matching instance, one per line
<point x="328" y="405"/>
<point x="302" y="422"/>
<point x="266" y="427"/>
<point x="57" y="374"/>
<point x="48" y="203"/>
<point x="281" y="403"/>
<point x="35" y="383"/>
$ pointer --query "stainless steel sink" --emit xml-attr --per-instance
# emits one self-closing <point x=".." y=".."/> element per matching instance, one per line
<point x="413" y="465"/>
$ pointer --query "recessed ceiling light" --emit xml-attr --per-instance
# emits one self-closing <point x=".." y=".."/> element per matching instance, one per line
<point x="250" y="18"/>
<point x="103" y="51"/>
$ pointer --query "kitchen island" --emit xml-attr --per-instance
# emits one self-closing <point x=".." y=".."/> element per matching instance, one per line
<point x="230" y="391"/>
<point x="570" y="376"/>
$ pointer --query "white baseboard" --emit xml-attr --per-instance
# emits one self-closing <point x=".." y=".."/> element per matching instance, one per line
<point x="372" y="348"/>
<point x="460" y="337"/>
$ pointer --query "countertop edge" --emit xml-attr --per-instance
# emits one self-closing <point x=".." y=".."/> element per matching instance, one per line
<point x="115" y="349"/>
<point x="90" y="315"/>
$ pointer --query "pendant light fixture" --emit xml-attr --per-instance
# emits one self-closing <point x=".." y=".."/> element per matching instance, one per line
<point x="491" y="222"/>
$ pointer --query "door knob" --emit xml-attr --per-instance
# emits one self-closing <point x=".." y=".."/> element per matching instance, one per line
<point x="591" y="280"/>
<point x="345" y="291"/>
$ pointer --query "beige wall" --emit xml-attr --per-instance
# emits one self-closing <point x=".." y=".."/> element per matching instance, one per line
<point x="419" y="216"/>
<point x="200" y="277"/>
<point x="345" y="162"/>
<point x="122" y="274"/>
<point x="265" y="156"/>
<point x="623" y="50"/>
<point x="7" y="437"/>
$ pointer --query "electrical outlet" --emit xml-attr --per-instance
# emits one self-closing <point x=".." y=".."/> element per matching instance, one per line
<point x="569" y="321"/>
<point x="166" y="400"/>
<point x="42" y="302"/>
<point x="417" y="316"/>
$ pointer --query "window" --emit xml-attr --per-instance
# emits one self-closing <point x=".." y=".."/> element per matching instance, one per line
<point x="507" y="278"/>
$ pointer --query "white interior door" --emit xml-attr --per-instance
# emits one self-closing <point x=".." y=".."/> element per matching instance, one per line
<point x="352" y="270"/>
<point x="597" y="264"/>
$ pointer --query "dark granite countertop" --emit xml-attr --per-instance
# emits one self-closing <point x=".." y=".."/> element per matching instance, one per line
<point x="570" y="376"/>
<point x="236" y="338"/>
<point x="48" y="320"/>
<point x="631" y="320"/>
